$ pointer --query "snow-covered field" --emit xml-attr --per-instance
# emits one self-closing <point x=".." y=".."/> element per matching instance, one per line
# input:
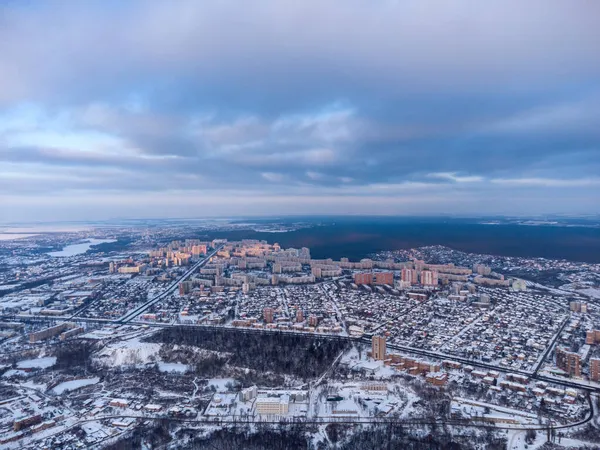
<point x="74" y="384"/>
<point x="173" y="367"/>
<point x="583" y="288"/>
<point x="592" y="292"/>
<point x="33" y="385"/>
<point x="131" y="352"/>
<point x="37" y="363"/>
<point x="14" y="372"/>
<point x="472" y="408"/>
<point x="220" y="384"/>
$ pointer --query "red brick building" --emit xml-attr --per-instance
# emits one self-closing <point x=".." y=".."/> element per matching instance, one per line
<point x="363" y="278"/>
<point x="384" y="278"/>
<point x="595" y="369"/>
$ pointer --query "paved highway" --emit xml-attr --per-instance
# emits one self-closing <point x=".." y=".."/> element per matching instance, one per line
<point x="416" y="422"/>
<point x="551" y="346"/>
<point x="365" y="339"/>
<point x="172" y="288"/>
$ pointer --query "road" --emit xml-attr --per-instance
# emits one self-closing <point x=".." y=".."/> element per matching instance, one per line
<point x="438" y="355"/>
<point x="551" y="346"/>
<point x="366" y="339"/>
<point x="128" y="317"/>
<point x="416" y="422"/>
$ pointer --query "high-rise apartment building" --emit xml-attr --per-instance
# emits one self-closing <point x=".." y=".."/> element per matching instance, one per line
<point x="268" y="315"/>
<point x="429" y="278"/>
<point x="578" y="307"/>
<point x="383" y="278"/>
<point x="378" y="348"/>
<point x="48" y="332"/>
<point x="595" y="369"/>
<point x="184" y="287"/>
<point x="592" y="337"/>
<point x="409" y="276"/>
<point x="482" y="269"/>
<point x="198" y="250"/>
<point x="363" y="278"/>
<point x="568" y="361"/>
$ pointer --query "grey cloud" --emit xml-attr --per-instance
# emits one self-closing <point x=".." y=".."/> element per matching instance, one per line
<point x="358" y="98"/>
<point x="353" y="147"/>
<point x="377" y="47"/>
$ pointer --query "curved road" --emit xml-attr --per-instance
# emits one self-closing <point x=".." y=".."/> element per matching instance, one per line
<point x="479" y="423"/>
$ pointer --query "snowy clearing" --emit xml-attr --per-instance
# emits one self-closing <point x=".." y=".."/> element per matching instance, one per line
<point x="37" y="363"/>
<point x="74" y="384"/>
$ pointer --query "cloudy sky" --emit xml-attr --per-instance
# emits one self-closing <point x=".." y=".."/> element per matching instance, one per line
<point x="205" y="108"/>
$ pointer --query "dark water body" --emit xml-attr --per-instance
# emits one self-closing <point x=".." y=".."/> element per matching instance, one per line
<point x="357" y="238"/>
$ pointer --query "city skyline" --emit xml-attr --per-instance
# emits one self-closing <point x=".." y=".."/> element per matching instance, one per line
<point x="252" y="331"/>
<point x="386" y="108"/>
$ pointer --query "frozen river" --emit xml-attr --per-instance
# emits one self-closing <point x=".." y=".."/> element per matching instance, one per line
<point x="78" y="249"/>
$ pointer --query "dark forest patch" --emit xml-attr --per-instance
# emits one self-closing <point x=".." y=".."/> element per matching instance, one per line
<point x="280" y="353"/>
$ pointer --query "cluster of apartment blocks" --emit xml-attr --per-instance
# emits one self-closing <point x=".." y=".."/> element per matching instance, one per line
<point x="413" y="366"/>
<point x="418" y="272"/>
<point x="175" y="254"/>
<point x="513" y="381"/>
<point x="193" y="247"/>
<point x="412" y="272"/>
<point x="63" y="330"/>
<point x="35" y="422"/>
<point x="310" y="324"/>
<point x="253" y="254"/>
<point x="517" y="383"/>
<point x="570" y="362"/>
<point x="179" y="253"/>
<point x="578" y="307"/>
<point x="408" y="278"/>
<point x="592" y="337"/>
<point x="433" y="373"/>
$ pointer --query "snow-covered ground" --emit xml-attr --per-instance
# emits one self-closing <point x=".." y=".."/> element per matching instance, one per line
<point x="33" y="385"/>
<point x="173" y="367"/>
<point x="516" y="441"/>
<point x="585" y="288"/>
<point x="37" y="363"/>
<point x="472" y="408"/>
<point x="220" y="384"/>
<point x="95" y="429"/>
<point x="7" y="287"/>
<point x="13" y="373"/>
<point x="131" y="352"/>
<point x="74" y="384"/>
<point x="592" y="292"/>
